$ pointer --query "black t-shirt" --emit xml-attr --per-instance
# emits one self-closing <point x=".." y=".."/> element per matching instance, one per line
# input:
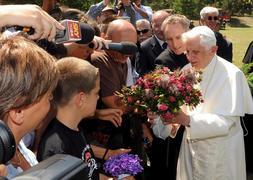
<point x="59" y="139"/>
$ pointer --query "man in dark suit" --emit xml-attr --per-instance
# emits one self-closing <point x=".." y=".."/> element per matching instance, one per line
<point x="209" y="17"/>
<point x="225" y="47"/>
<point x="166" y="149"/>
<point x="248" y="57"/>
<point x="153" y="46"/>
<point x="171" y="60"/>
<point x="247" y="119"/>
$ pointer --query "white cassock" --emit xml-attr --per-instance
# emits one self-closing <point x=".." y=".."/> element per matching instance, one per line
<point x="213" y="146"/>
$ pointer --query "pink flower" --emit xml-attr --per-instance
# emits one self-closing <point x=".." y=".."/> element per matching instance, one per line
<point x="149" y="93"/>
<point x="167" y="116"/>
<point x="173" y="88"/>
<point x="188" y="87"/>
<point x="155" y="97"/>
<point x="130" y="99"/>
<point x="164" y="81"/>
<point x="172" y="99"/>
<point x="179" y="86"/>
<point x="139" y="81"/>
<point x="187" y="99"/>
<point x="162" y="107"/>
<point x="148" y="84"/>
<point x="166" y="69"/>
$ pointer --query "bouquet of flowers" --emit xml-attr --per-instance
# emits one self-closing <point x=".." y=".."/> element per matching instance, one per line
<point x="123" y="164"/>
<point x="163" y="91"/>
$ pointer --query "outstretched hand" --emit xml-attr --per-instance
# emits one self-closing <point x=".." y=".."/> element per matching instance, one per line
<point x="112" y="115"/>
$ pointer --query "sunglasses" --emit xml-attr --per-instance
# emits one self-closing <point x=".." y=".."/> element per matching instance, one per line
<point x="144" y="31"/>
<point x="214" y="18"/>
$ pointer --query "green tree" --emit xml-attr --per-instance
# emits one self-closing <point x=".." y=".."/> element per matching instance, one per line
<point x="190" y="8"/>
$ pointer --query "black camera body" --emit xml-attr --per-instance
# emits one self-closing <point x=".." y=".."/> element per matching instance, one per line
<point x="57" y="167"/>
<point x="7" y="143"/>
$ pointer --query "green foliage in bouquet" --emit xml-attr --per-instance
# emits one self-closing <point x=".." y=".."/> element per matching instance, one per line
<point x="248" y="71"/>
<point x="162" y="91"/>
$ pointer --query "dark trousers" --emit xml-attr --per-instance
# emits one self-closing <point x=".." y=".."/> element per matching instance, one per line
<point x="164" y="156"/>
<point x="248" y="121"/>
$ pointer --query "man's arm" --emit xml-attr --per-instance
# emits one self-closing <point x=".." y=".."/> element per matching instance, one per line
<point x="103" y="153"/>
<point x="129" y="11"/>
<point x="142" y="12"/>
<point x="96" y="9"/>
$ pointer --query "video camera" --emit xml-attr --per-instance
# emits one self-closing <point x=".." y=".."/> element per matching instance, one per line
<point x="7" y="143"/>
<point x="57" y="167"/>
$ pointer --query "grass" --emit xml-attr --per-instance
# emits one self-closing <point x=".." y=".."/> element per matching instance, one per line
<point x="239" y="32"/>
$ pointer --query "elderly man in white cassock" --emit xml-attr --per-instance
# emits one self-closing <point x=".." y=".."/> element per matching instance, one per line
<point x="213" y="145"/>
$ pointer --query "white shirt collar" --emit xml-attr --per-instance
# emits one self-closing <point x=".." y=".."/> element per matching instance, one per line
<point x="160" y="41"/>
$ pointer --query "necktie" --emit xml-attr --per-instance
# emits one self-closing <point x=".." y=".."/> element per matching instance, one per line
<point x="164" y="45"/>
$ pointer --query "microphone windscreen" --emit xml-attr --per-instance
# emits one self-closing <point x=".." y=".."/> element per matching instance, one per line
<point x="87" y="34"/>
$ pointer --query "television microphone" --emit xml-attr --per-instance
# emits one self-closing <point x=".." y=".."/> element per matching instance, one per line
<point x="75" y="32"/>
<point x="125" y="47"/>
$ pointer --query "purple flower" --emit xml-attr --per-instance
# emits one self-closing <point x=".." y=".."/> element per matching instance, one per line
<point x="123" y="164"/>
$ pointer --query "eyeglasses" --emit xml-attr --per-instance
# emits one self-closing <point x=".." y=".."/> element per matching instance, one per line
<point x="214" y="18"/>
<point x="143" y="31"/>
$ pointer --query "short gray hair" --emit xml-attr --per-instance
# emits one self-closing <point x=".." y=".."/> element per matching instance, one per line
<point x="207" y="36"/>
<point x="208" y="10"/>
<point x="144" y="22"/>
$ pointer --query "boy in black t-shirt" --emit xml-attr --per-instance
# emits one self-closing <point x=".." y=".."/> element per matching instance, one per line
<point x="76" y="98"/>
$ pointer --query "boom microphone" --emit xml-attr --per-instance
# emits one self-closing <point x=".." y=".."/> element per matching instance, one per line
<point x="127" y="48"/>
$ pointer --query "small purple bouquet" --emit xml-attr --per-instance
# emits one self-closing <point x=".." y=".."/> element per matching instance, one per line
<point x="123" y="164"/>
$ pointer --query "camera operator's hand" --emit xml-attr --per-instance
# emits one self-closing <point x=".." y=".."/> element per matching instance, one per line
<point x="44" y="25"/>
<point x="3" y="170"/>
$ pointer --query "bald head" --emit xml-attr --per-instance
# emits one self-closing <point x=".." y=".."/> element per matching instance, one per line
<point x="118" y="31"/>
<point x="157" y="20"/>
<point x="160" y="15"/>
<point x="121" y="30"/>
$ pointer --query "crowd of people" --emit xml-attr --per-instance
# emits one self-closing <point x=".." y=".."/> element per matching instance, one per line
<point x="61" y="98"/>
